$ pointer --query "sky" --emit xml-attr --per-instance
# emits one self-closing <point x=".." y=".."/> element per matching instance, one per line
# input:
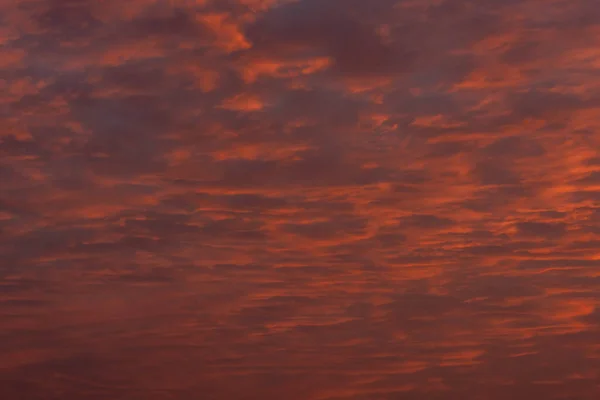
<point x="300" y="199"/>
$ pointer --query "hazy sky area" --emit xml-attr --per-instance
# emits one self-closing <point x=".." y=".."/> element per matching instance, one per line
<point x="299" y="200"/>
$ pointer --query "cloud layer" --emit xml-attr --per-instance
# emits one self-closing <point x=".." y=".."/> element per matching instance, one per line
<point x="309" y="199"/>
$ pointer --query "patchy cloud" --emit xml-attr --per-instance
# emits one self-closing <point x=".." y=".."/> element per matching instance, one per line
<point x="310" y="199"/>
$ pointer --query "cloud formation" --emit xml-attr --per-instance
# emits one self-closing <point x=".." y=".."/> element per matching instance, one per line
<point x="300" y="199"/>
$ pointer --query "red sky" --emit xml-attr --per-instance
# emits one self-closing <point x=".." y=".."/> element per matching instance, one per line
<point x="300" y="200"/>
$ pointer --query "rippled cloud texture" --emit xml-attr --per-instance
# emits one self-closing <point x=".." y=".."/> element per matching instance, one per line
<point x="313" y="199"/>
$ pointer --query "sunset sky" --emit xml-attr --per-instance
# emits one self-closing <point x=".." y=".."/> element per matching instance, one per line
<point x="299" y="199"/>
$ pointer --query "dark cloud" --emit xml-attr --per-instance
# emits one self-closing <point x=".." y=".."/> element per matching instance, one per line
<point x="427" y="221"/>
<point x="334" y="228"/>
<point x="328" y="28"/>
<point x="495" y="172"/>
<point x="542" y="229"/>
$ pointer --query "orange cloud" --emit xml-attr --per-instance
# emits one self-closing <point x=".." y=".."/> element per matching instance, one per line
<point x="307" y="199"/>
